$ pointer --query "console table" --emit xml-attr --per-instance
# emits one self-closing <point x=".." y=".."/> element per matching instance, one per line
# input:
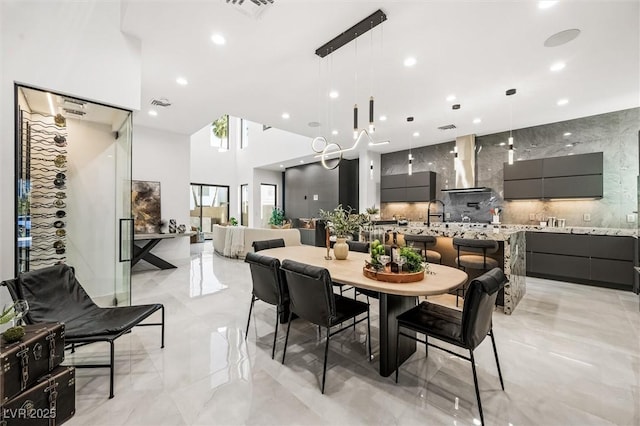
<point x="144" y="252"/>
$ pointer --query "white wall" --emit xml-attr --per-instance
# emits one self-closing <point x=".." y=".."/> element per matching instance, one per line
<point x="69" y="47"/>
<point x="164" y="157"/>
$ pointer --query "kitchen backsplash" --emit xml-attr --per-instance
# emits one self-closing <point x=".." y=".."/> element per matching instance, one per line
<point x="615" y="134"/>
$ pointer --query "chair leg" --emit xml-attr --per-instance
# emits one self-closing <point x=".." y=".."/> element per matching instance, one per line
<point x="111" y="368"/>
<point x="286" y="339"/>
<point x="253" y="299"/>
<point x="73" y="348"/>
<point x="397" y="351"/>
<point x="475" y="381"/>
<point x="369" y="333"/>
<point x="275" y="334"/>
<point x="426" y="346"/>
<point x="324" y="368"/>
<point x="495" y="352"/>
<point x="162" y="329"/>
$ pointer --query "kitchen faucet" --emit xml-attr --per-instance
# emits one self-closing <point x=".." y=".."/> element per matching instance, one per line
<point x="429" y="215"/>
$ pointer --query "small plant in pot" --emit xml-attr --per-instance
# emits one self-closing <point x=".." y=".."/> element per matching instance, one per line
<point x="14" y="313"/>
<point x="344" y="224"/>
<point x="278" y="219"/>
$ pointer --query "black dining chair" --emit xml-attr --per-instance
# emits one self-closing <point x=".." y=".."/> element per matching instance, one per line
<point x="267" y="244"/>
<point x="474" y="261"/>
<point x="269" y="285"/>
<point x="311" y="298"/>
<point x="425" y="241"/>
<point x="465" y="329"/>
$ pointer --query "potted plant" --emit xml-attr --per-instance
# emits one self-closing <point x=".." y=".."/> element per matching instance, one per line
<point x="278" y="219"/>
<point x="14" y="313"/>
<point x="343" y="223"/>
<point x="233" y="221"/>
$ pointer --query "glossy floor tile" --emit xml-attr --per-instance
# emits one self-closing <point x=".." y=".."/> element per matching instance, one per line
<point x="570" y="355"/>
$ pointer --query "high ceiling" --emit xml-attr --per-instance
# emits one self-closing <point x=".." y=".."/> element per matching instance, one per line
<point x="473" y="49"/>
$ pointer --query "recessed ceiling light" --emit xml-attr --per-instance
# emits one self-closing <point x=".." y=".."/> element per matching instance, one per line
<point x="571" y="153"/>
<point x="416" y="134"/>
<point x="301" y="161"/>
<point x="153" y="112"/>
<point x="546" y="4"/>
<point x="502" y="143"/>
<point x="182" y="81"/>
<point x="334" y="94"/>
<point x="563" y="37"/>
<point x="557" y="66"/>
<point x="566" y="134"/>
<point x="218" y="39"/>
<point x="430" y="163"/>
<point x="477" y="120"/>
<point x="281" y="166"/>
<point x="451" y="98"/>
<point x="562" y="102"/>
<point x="569" y="145"/>
<point x="383" y="118"/>
<point x="410" y="61"/>
<point x="335" y="132"/>
<point x="285" y="115"/>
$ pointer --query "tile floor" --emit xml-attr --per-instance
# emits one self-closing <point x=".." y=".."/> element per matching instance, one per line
<point x="570" y="355"/>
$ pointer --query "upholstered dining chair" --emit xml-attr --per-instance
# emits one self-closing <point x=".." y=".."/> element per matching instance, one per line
<point x="311" y="298"/>
<point x="465" y="329"/>
<point x="267" y="244"/>
<point x="269" y="286"/>
<point x="474" y="261"/>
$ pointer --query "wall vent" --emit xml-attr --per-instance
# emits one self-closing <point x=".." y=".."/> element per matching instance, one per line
<point x="75" y="102"/>
<point x="74" y="111"/>
<point x="162" y="102"/>
<point x="447" y="127"/>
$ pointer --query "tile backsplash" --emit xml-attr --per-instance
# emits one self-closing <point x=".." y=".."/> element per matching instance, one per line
<point x="615" y="134"/>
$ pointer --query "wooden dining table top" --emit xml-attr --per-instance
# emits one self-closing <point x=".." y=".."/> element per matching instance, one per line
<point x="439" y="280"/>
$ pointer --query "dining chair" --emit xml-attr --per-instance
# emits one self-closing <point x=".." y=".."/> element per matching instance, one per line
<point x="465" y="329"/>
<point x="474" y="261"/>
<point x="267" y="244"/>
<point x="311" y="298"/>
<point x="269" y="285"/>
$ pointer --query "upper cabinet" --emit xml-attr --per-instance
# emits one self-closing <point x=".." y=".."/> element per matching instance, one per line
<point x="576" y="176"/>
<point x="419" y="187"/>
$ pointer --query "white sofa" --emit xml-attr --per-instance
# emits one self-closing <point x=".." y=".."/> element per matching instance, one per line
<point x="219" y="239"/>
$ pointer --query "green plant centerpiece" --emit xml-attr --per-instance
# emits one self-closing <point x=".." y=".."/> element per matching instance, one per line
<point x="277" y="219"/>
<point x="15" y="311"/>
<point x="414" y="260"/>
<point x="343" y="223"/>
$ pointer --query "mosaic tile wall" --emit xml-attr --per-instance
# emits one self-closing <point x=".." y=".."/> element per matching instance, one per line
<point x="616" y="134"/>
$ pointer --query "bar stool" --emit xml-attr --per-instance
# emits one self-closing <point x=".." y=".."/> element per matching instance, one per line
<point x="431" y="256"/>
<point x="474" y="261"/>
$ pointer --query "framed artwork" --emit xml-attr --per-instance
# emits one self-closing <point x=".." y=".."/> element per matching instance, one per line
<point x="145" y="206"/>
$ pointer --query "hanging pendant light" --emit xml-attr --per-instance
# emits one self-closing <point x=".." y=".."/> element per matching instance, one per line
<point x="371" y="170"/>
<point x="372" y="127"/>
<point x="355" y="121"/>
<point x="510" y="92"/>
<point x="410" y="171"/>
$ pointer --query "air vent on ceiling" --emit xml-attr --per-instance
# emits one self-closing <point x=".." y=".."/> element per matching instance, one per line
<point x="256" y="2"/>
<point x="253" y="8"/>
<point x="265" y="127"/>
<point x="74" y="111"/>
<point x="447" y="127"/>
<point x="75" y="102"/>
<point x="162" y="102"/>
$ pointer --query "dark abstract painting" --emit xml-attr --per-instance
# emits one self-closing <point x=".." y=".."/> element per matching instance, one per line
<point x="145" y="206"/>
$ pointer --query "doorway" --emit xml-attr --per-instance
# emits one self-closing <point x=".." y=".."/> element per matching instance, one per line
<point x="209" y="205"/>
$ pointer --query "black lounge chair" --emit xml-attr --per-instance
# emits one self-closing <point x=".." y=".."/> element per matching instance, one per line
<point x="54" y="294"/>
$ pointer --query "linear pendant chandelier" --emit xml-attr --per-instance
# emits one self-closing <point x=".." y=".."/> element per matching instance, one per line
<point x="320" y="145"/>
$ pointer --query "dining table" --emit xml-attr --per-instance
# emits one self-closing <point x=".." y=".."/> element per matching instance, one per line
<point x="393" y="298"/>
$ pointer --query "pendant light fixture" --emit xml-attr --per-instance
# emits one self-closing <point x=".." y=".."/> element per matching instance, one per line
<point x="371" y="170"/>
<point x="410" y="171"/>
<point x="510" y="92"/>
<point x="455" y="157"/>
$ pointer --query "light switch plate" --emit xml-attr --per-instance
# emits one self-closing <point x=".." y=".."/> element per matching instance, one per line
<point x="315" y="197"/>
<point x="448" y="215"/>
<point x="631" y="218"/>
<point x="586" y="217"/>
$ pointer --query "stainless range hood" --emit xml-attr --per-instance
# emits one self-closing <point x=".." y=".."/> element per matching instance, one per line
<point x="465" y="164"/>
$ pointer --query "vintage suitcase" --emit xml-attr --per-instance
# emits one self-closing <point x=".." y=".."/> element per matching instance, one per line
<point x="22" y="363"/>
<point x="50" y="401"/>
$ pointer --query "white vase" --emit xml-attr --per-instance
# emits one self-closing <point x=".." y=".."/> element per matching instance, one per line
<point x="341" y="249"/>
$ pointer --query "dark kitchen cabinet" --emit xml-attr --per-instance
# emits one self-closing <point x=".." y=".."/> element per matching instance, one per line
<point x="574" y="176"/>
<point x="600" y="260"/>
<point x="402" y="188"/>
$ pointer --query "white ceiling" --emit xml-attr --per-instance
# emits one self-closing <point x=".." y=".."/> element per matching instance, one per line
<point x="473" y="49"/>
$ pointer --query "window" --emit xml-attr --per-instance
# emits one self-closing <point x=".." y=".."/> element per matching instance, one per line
<point x="267" y="202"/>
<point x="244" y="204"/>
<point x="209" y="205"/>
<point x="219" y="135"/>
<point x="244" y="133"/>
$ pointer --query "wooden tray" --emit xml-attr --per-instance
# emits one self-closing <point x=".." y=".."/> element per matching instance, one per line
<point x="389" y="277"/>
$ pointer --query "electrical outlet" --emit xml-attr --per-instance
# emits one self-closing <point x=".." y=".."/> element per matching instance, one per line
<point x="586" y="217"/>
<point x="532" y="216"/>
<point x="631" y="218"/>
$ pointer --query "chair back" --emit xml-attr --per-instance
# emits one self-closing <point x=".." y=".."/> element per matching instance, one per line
<point x="269" y="284"/>
<point x="310" y="292"/>
<point x="358" y="246"/>
<point x="476" y="246"/>
<point x="479" y="303"/>
<point x="53" y="294"/>
<point x="267" y="244"/>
